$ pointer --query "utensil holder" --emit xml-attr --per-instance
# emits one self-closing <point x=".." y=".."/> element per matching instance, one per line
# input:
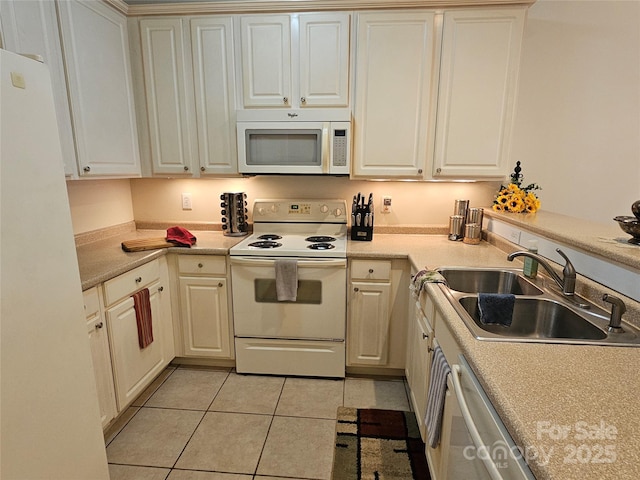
<point x="362" y="232"/>
<point x="234" y="214"/>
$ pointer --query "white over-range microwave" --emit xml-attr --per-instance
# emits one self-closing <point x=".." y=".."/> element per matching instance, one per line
<point x="294" y="143"/>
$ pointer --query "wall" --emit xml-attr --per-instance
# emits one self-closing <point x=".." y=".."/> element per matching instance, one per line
<point x="413" y="203"/>
<point x="97" y="204"/>
<point x="577" y="130"/>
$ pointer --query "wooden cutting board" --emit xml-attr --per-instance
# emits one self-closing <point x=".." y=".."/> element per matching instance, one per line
<point x="146" y="244"/>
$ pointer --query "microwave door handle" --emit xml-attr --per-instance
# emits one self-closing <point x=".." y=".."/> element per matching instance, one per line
<point x="326" y="129"/>
<point x="471" y="426"/>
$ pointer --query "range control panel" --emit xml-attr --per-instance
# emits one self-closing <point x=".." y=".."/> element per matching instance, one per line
<point x="293" y="210"/>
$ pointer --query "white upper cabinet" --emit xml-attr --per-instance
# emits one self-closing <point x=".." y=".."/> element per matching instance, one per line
<point x="393" y="126"/>
<point x="167" y="93"/>
<point x="32" y="27"/>
<point x="96" y="53"/>
<point x="324" y="60"/>
<point x="295" y="61"/>
<point x="215" y="91"/>
<point x="188" y="95"/>
<point x="477" y="89"/>
<point x="266" y="60"/>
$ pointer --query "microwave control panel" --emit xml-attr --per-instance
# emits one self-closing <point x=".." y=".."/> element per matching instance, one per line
<point x="340" y="146"/>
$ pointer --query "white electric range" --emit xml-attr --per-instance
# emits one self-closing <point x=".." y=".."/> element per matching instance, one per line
<point x="305" y="336"/>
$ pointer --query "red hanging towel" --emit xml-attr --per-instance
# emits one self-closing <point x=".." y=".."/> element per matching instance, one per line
<point x="142" y="307"/>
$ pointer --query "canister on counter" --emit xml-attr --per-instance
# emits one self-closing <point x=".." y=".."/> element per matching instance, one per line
<point x="472" y="233"/>
<point x="460" y="208"/>
<point x="456" y="227"/>
<point x="474" y="215"/>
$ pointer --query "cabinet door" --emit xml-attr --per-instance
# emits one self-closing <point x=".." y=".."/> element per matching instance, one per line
<point x="369" y="323"/>
<point x="205" y="317"/>
<point x="476" y="97"/>
<point x="421" y="369"/>
<point x="393" y="95"/>
<point x="167" y="95"/>
<point x="134" y="368"/>
<point x="96" y="50"/>
<point x="266" y="60"/>
<point x="324" y="59"/>
<point x="32" y="27"/>
<point x="101" y="359"/>
<point x="214" y="80"/>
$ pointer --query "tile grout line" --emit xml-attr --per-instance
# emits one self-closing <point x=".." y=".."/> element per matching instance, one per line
<point x="273" y="415"/>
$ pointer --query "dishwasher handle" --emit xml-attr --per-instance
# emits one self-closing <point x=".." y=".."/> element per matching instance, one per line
<point x="471" y="426"/>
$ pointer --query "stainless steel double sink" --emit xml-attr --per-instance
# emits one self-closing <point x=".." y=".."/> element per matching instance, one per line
<point x="539" y="315"/>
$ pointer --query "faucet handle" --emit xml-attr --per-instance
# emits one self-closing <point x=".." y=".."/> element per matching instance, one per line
<point x="617" y="309"/>
<point x="568" y="267"/>
<point x="568" y="274"/>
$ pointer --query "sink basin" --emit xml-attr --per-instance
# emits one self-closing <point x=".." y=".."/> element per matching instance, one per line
<point x="537" y="318"/>
<point x="488" y="281"/>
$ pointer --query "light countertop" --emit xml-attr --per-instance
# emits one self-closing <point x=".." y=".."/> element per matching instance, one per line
<point x="532" y="386"/>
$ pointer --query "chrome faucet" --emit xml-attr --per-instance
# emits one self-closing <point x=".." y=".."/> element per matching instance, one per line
<point x="617" y="309"/>
<point x="568" y="281"/>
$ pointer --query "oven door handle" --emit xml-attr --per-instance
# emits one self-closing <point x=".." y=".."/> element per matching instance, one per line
<point x="270" y="262"/>
<point x="471" y="426"/>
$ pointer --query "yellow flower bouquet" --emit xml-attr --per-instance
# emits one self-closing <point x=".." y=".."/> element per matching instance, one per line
<point x="515" y="198"/>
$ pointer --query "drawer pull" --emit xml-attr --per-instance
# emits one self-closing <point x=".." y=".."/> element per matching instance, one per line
<point x="139" y="279"/>
<point x="356" y="289"/>
<point x="200" y="265"/>
<point x="425" y="336"/>
<point x="371" y="270"/>
<point x="99" y="326"/>
<point x="220" y="284"/>
<point x="160" y="288"/>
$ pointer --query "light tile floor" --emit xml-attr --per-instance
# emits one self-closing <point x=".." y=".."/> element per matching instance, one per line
<point x="198" y="423"/>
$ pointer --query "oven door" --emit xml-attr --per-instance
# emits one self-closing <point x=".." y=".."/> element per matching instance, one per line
<point x="319" y="311"/>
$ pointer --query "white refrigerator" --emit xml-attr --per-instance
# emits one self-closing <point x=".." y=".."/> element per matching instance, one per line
<point x="49" y="419"/>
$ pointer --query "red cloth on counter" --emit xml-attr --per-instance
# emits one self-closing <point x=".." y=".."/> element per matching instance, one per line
<point x="144" y="321"/>
<point x="181" y="236"/>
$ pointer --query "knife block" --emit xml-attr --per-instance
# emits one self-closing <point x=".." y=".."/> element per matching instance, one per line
<point x="360" y="232"/>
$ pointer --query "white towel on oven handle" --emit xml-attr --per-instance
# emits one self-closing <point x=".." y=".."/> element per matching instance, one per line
<point x="286" y="279"/>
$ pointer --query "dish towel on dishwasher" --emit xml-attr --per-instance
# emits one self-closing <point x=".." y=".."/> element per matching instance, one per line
<point x="286" y="280"/>
<point x="142" y="306"/>
<point x="440" y="370"/>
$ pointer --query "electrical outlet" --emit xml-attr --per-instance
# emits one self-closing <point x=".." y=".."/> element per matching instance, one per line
<point x="186" y="201"/>
<point x="386" y="204"/>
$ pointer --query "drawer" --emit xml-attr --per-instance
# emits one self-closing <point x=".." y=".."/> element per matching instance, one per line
<point x="127" y="283"/>
<point x="371" y="269"/>
<point x="91" y="302"/>
<point x="202" y="264"/>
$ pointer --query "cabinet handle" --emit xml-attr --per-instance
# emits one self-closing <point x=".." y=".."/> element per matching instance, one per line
<point x="200" y="265"/>
<point x="285" y="100"/>
<point x="438" y="170"/>
<point x="303" y="100"/>
<point x="138" y="280"/>
<point x="371" y="270"/>
<point x="161" y="288"/>
<point x="87" y="168"/>
<point x="429" y="349"/>
<point x="419" y="170"/>
<point x="220" y="284"/>
<point x="202" y="169"/>
<point x="356" y="289"/>
<point x="186" y="169"/>
<point x="425" y="336"/>
<point x="99" y="325"/>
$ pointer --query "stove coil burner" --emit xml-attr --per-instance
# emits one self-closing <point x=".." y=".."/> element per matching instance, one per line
<point x="321" y="246"/>
<point x="320" y="239"/>
<point x="265" y="244"/>
<point x="269" y="236"/>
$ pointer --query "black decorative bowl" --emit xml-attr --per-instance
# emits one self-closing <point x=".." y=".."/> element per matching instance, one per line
<point x="630" y="225"/>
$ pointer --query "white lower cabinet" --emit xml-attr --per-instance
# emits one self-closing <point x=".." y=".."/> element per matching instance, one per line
<point x="100" y="356"/>
<point x="375" y="325"/>
<point x="419" y="347"/>
<point x="204" y="307"/>
<point x="134" y="368"/>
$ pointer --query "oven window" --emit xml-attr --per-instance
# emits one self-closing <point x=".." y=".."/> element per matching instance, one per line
<point x="284" y="147"/>
<point x="309" y="291"/>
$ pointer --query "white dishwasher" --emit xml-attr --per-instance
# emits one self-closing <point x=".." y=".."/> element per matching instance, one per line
<point x="478" y="445"/>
